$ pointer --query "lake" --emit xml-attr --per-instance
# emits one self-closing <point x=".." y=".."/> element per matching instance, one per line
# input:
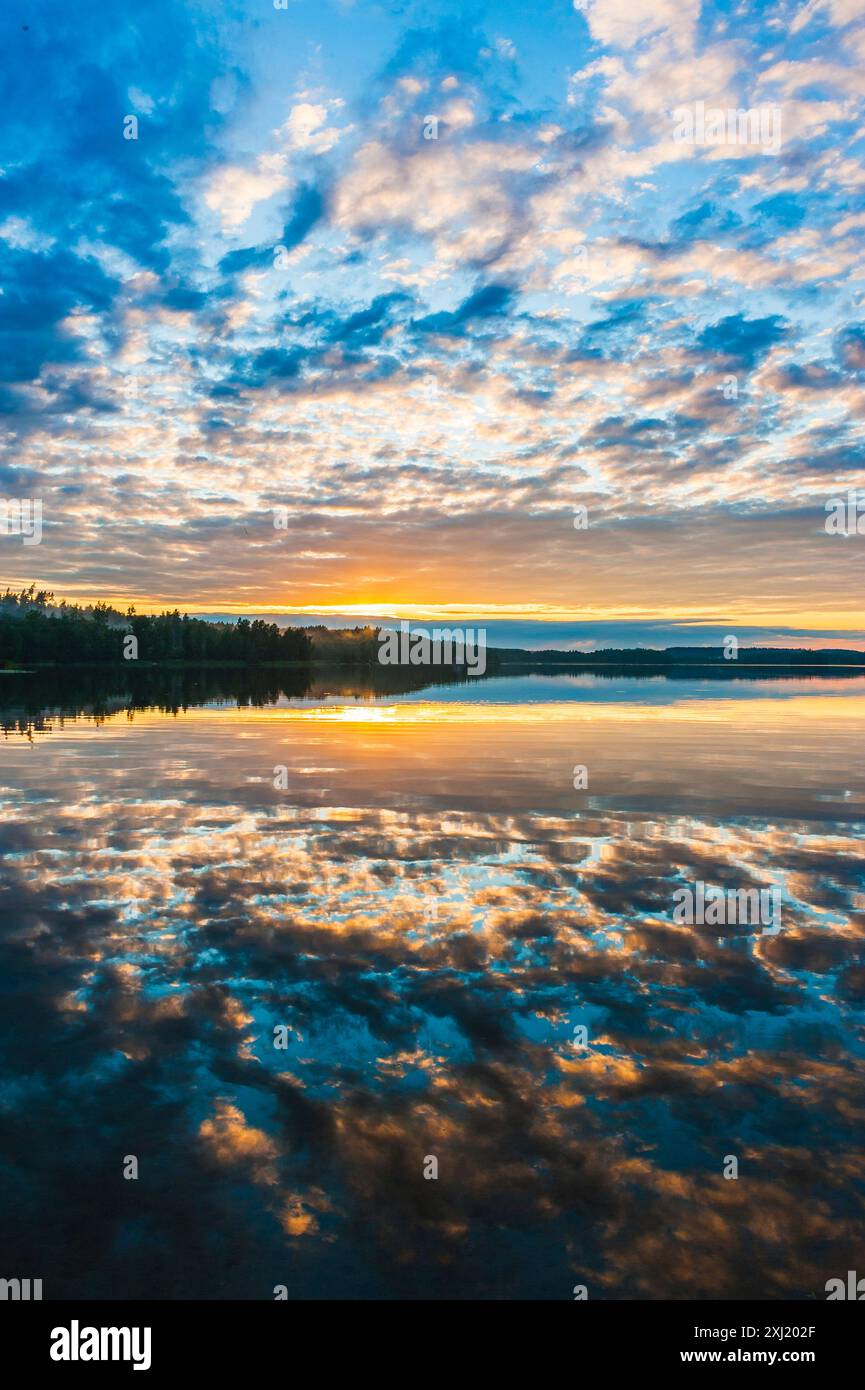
<point x="312" y="958"/>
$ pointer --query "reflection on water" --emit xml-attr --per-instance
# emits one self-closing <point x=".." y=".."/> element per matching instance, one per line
<point x="431" y="909"/>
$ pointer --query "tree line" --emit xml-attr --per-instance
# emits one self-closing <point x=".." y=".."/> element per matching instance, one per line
<point x="35" y="629"/>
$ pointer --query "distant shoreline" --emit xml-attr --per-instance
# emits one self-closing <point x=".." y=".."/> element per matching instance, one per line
<point x="730" y="668"/>
<point x="677" y="658"/>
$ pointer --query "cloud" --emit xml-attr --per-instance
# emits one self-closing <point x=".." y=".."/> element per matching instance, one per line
<point x="850" y="347"/>
<point x="743" y="340"/>
<point x="489" y="301"/>
<point x="232" y="191"/>
<point x="623" y="26"/>
<point x="283" y="290"/>
<point x="305" y="129"/>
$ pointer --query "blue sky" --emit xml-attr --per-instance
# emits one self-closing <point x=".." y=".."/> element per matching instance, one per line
<point x="424" y="280"/>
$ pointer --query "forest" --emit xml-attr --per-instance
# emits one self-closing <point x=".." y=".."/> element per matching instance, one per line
<point x="35" y="630"/>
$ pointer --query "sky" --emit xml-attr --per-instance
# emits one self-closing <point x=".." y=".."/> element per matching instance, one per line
<point x="348" y="309"/>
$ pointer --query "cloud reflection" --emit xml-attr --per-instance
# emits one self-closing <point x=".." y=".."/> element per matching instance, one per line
<point x="431" y="910"/>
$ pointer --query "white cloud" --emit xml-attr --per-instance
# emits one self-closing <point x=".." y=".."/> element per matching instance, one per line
<point x="305" y="129"/>
<point x="234" y="191"/>
<point x="459" y="114"/>
<point x="624" y="24"/>
<point x="23" y="236"/>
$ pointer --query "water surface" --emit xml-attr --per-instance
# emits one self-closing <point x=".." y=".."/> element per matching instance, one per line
<point x="430" y="908"/>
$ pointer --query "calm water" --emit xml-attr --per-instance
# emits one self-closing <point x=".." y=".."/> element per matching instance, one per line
<point x="430" y="909"/>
